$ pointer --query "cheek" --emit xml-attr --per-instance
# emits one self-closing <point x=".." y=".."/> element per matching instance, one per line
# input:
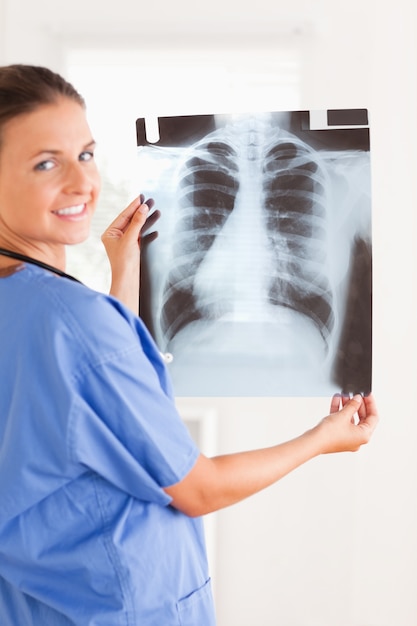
<point x="13" y="204"/>
<point x="97" y="185"/>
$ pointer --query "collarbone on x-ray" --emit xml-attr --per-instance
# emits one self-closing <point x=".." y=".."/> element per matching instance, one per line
<point x="250" y="277"/>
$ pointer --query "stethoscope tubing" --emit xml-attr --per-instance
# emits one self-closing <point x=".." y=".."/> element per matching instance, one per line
<point x="27" y="259"/>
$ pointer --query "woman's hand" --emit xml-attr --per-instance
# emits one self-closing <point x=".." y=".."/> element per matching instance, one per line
<point x="123" y="240"/>
<point x="350" y="424"/>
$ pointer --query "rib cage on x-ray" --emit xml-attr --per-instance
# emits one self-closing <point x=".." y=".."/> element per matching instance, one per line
<point x="208" y="184"/>
<point x="293" y="188"/>
<point x="296" y="217"/>
<point x="281" y="187"/>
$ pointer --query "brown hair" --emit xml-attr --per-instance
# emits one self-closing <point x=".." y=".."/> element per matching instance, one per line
<point x="23" y="88"/>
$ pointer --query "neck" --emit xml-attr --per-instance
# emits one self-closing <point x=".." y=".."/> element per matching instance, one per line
<point x="19" y="258"/>
<point x="53" y="256"/>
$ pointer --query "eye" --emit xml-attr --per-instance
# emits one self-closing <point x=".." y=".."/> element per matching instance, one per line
<point x="45" y="165"/>
<point x="87" y="155"/>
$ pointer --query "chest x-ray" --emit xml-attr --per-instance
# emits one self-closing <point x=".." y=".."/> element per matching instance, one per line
<point x="259" y="283"/>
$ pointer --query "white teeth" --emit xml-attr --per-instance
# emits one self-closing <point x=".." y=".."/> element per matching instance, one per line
<point x="71" y="210"/>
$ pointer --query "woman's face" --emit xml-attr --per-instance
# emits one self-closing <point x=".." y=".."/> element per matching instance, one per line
<point x="49" y="181"/>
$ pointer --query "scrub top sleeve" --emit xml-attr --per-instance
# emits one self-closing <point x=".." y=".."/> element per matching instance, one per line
<point x="126" y="428"/>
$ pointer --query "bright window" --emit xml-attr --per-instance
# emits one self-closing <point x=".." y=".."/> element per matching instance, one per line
<point x="120" y="86"/>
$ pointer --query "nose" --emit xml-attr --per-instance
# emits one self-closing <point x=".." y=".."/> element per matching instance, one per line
<point x="81" y="178"/>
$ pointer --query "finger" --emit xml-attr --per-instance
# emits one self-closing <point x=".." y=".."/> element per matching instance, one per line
<point x="151" y="219"/>
<point x="352" y="405"/>
<point x="335" y="403"/>
<point x="141" y="221"/>
<point x="345" y="399"/>
<point x="124" y="218"/>
<point x="370" y="403"/>
<point x="130" y="231"/>
<point x="362" y="412"/>
<point x="148" y="238"/>
<point x="369" y="407"/>
<point x="150" y="201"/>
<point x="137" y="222"/>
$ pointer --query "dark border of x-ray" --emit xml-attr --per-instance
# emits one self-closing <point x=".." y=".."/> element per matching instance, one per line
<point x="352" y="370"/>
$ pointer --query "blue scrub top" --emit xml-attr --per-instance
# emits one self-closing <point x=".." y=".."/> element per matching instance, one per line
<point x="89" y="435"/>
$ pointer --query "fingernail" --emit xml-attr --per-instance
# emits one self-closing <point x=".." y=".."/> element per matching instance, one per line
<point x="357" y="397"/>
<point x="143" y="208"/>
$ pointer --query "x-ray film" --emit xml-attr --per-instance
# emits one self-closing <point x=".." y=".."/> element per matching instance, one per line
<point x="260" y="280"/>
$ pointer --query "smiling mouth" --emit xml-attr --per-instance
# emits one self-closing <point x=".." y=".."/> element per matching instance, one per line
<point x="71" y="210"/>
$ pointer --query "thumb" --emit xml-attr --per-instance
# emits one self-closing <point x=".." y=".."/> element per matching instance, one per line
<point x="357" y="400"/>
<point x="353" y="405"/>
<point x="137" y="222"/>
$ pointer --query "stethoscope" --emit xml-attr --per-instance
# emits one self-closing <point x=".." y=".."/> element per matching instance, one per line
<point x="28" y="259"/>
<point x="166" y="356"/>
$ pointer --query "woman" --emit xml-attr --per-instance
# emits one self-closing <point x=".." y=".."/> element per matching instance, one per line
<point x="101" y="487"/>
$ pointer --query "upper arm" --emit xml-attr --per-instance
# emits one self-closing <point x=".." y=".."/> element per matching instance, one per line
<point x="194" y="495"/>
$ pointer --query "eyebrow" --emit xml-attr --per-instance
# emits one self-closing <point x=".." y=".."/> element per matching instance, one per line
<point x="91" y="144"/>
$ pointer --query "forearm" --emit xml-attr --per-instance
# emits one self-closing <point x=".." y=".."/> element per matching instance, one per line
<point x="125" y="286"/>
<point x="221" y="481"/>
<point x="243" y="474"/>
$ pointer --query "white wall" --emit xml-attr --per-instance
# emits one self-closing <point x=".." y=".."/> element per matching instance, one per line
<point x="334" y="544"/>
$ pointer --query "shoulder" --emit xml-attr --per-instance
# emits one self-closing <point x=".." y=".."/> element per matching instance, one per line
<point x="88" y="317"/>
<point x="57" y="318"/>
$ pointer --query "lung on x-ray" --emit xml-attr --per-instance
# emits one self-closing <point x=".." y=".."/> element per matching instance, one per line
<point x="260" y="280"/>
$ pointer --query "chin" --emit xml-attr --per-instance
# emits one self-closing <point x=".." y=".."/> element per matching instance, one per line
<point x="73" y="241"/>
<point x="76" y="238"/>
